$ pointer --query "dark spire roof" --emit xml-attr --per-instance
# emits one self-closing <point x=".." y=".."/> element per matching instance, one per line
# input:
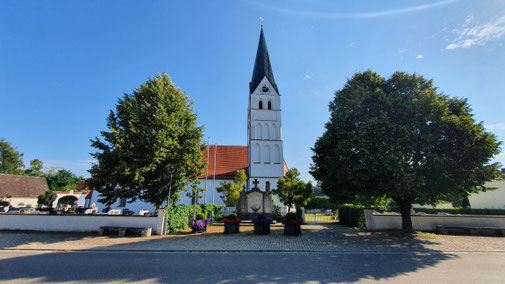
<point x="262" y="66"/>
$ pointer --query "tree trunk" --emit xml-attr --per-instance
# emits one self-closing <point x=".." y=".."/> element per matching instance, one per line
<point x="405" y="208"/>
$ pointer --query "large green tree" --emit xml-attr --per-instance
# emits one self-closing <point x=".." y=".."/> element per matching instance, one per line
<point x="230" y="191"/>
<point x="152" y="139"/>
<point x="399" y="138"/>
<point x="291" y="190"/>
<point x="11" y="161"/>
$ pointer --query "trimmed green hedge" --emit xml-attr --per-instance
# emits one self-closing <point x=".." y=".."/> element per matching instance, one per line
<point x="178" y="216"/>
<point x="320" y="202"/>
<point x="466" y="211"/>
<point x="351" y="215"/>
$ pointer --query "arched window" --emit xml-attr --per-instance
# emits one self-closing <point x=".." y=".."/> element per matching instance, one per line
<point x="269" y="104"/>
<point x="261" y="105"/>
<point x="258" y="131"/>
<point x="266" y="132"/>
<point x="273" y="131"/>
<point x="257" y="153"/>
<point x="267" y="154"/>
<point x="277" y="154"/>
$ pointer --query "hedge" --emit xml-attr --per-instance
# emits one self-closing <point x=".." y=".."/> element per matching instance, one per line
<point x="466" y="211"/>
<point x="351" y="215"/>
<point x="320" y="202"/>
<point x="178" y="216"/>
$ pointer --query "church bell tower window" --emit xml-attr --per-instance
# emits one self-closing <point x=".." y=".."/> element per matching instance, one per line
<point x="261" y="105"/>
<point x="269" y="105"/>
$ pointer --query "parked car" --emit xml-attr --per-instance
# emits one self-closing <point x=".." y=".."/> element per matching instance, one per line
<point x="22" y="210"/>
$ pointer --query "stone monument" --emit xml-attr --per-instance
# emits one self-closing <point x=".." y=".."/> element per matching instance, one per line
<point x="255" y="202"/>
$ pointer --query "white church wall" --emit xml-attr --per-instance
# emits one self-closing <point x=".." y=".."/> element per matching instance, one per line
<point x="491" y="199"/>
<point x="138" y="205"/>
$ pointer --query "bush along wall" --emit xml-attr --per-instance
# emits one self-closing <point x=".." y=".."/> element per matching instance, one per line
<point x="178" y="216"/>
<point x="320" y="202"/>
<point x="351" y="215"/>
<point x="465" y="211"/>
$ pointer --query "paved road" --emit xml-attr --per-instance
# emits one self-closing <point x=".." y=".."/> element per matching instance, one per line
<point x="281" y="267"/>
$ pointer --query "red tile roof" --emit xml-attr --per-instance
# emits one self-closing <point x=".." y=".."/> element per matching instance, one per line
<point x="22" y="186"/>
<point x="229" y="159"/>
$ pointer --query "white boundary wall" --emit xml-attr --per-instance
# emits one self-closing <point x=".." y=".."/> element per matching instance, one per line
<point x="77" y="223"/>
<point x="428" y="223"/>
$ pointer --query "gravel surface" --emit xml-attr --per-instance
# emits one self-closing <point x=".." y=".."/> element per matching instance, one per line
<point x="323" y="238"/>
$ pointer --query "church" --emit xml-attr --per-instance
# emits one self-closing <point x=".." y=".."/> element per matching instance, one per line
<point x="262" y="159"/>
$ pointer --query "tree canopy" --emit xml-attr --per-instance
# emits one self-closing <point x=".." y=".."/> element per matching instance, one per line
<point x="399" y="138"/>
<point x="291" y="190"/>
<point x="11" y="161"/>
<point x="152" y="134"/>
<point x="230" y="191"/>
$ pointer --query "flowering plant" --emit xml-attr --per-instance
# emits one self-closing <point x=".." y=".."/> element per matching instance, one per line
<point x="226" y="220"/>
<point x="232" y="218"/>
<point x="291" y="218"/>
<point x="297" y="221"/>
<point x="262" y="220"/>
<point x="198" y="225"/>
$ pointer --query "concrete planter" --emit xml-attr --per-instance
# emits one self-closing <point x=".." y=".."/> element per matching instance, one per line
<point x="292" y="229"/>
<point x="231" y="227"/>
<point x="261" y="229"/>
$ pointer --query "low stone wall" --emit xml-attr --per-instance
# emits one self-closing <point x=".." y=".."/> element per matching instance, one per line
<point x="428" y="223"/>
<point x="77" y="223"/>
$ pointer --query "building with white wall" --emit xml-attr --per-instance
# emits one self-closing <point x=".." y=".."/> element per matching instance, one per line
<point x="491" y="199"/>
<point x="22" y="191"/>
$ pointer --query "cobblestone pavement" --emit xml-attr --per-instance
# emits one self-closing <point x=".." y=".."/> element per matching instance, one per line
<point x="325" y="237"/>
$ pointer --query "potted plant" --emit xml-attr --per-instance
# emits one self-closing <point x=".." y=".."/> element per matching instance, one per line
<point x="231" y="224"/>
<point x="292" y="224"/>
<point x="262" y="225"/>
<point x="199" y="225"/>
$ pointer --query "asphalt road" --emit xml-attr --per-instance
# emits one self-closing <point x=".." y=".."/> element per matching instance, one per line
<point x="278" y="267"/>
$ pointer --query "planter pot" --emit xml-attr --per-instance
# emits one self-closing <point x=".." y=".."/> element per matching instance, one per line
<point x="292" y="229"/>
<point x="261" y="229"/>
<point x="200" y="230"/>
<point x="231" y="227"/>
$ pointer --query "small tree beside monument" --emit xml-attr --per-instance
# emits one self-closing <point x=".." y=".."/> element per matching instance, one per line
<point x="292" y="191"/>
<point x="230" y="191"/>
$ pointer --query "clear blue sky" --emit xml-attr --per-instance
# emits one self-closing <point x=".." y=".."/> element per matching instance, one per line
<point x="64" y="64"/>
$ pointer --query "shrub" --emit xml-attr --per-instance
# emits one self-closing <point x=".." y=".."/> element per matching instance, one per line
<point x="232" y="216"/>
<point x="291" y="216"/>
<point x="466" y="211"/>
<point x="178" y="216"/>
<point x="200" y="216"/>
<point x="352" y="215"/>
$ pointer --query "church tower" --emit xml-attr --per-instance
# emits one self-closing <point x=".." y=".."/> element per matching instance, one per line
<point x="266" y="161"/>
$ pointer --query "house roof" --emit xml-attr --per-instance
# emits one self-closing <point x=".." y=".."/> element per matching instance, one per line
<point x="22" y="186"/>
<point x="228" y="160"/>
<point x="262" y="66"/>
<point x="84" y="186"/>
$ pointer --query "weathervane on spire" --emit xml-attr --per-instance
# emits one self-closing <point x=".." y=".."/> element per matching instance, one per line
<point x="261" y="20"/>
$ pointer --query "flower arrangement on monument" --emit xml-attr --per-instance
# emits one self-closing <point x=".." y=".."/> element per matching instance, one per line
<point x="199" y="224"/>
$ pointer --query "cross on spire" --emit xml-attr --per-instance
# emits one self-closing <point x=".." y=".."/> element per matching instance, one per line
<point x="261" y="20"/>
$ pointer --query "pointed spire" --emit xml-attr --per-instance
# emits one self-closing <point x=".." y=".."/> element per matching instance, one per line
<point x="262" y="66"/>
